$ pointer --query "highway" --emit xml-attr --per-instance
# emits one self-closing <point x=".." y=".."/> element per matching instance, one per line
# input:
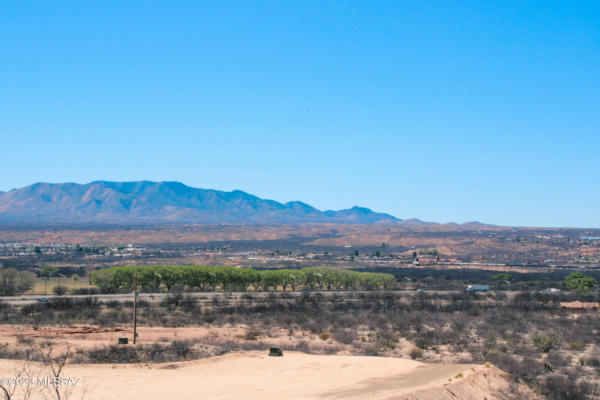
<point x="207" y="297"/>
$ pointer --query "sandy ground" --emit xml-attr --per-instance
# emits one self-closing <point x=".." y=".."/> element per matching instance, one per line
<point x="295" y="376"/>
<point x="80" y="337"/>
<point x="252" y="374"/>
<point x="88" y="337"/>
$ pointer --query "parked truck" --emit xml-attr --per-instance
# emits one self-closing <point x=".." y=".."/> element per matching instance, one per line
<point x="477" y="288"/>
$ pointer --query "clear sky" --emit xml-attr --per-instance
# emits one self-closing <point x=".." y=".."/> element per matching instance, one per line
<point x="444" y="111"/>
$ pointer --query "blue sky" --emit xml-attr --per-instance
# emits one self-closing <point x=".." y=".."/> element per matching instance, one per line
<point x="444" y="111"/>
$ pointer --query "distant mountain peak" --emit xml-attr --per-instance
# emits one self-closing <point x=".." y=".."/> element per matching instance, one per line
<point x="162" y="202"/>
<point x="361" y="209"/>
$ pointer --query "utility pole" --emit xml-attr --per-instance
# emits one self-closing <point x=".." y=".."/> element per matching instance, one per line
<point x="135" y="296"/>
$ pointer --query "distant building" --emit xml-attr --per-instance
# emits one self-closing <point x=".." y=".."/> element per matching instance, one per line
<point x="427" y="259"/>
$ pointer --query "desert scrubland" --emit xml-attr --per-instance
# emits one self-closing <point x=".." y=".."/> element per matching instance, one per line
<point x="540" y="349"/>
<point x="340" y="300"/>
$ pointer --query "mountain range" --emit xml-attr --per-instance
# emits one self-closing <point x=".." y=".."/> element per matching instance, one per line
<point x="162" y="202"/>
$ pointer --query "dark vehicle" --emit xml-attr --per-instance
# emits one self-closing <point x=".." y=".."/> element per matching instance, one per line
<point x="275" y="351"/>
<point x="42" y="299"/>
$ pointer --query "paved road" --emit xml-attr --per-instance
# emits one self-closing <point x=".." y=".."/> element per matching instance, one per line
<point x="206" y="297"/>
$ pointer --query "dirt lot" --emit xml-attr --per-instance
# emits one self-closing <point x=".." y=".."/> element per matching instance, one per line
<point x="86" y="337"/>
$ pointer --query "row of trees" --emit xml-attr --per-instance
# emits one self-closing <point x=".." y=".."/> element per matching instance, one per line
<point x="201" y="277"/>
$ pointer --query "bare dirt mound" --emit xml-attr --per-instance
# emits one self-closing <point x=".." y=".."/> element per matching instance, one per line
<point x="254" y="375"/>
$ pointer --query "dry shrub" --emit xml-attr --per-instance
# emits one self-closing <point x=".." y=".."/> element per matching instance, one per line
<point x="416" y="353"/>
<point x="567" y="387"/>
<point x="345" y="336"/>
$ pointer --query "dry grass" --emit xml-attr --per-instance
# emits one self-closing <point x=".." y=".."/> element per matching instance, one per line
<point x="41" y="287"/>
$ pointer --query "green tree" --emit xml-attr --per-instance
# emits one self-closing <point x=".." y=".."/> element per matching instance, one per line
<point x="171" y="275"/>
<point x="198" y="276"/>
<point x="578" y="281"/>
<point x="230" y="278"/>
<point x="48" y="271"/>
<point x="269" y="279"/>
